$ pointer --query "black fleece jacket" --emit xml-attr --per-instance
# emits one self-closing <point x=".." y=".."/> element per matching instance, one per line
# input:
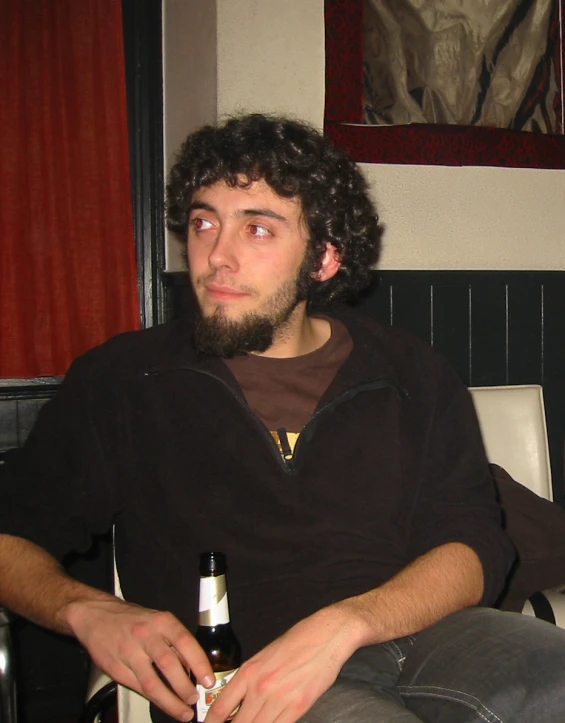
<point x="147" y="436"/>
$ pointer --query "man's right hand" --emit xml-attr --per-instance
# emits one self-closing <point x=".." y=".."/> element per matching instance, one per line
<point x="133" y="645"/>
<point x="128" y="642"/>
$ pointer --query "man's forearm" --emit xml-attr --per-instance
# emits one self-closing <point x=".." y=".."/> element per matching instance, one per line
<point x="126" y="641"/>
<point x="34" y="585"/>
<point x="436" y="584"/>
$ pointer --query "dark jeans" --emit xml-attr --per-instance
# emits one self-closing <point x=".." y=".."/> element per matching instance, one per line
<point x="474" y="666"/>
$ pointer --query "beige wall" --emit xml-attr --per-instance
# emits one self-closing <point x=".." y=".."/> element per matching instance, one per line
<point x="270" y="56"/>
<point x="443" y="217"/>
<point x="190" y="69"/>
<point x="189" y="82"/>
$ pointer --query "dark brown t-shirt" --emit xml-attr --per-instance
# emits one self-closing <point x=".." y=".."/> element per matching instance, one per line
<point x="284" y="393"/>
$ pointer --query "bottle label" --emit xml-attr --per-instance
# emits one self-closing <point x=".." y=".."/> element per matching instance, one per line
<point x="213" y="604"/>
<point x="206" y="696"/>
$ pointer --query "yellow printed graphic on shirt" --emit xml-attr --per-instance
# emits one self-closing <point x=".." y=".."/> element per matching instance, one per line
<point x="292" y="438"/>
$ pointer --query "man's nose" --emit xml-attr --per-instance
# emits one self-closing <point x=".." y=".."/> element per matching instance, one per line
<point x="223" y="253"/>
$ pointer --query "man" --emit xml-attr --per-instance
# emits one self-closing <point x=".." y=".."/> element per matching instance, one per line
<point x="337" y="463"/>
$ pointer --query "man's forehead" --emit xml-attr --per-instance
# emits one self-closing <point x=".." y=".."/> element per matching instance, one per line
<point x="259" y="189"/>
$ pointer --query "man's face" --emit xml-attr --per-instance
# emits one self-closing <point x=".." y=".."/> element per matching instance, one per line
<point x="249" y="266"/>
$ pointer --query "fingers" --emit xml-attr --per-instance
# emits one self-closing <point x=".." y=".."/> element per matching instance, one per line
<point x="170" y="668"/>
<point x="161" y="663"/>
<point x="144" y="679"/>
<point x="190" y="652"/>
<point x="140" y="674"/>
<point x="280" y="683"/>
<point x="256" y="708"/>
<point x="229" y="699"/>
<point x="150" y="652"/>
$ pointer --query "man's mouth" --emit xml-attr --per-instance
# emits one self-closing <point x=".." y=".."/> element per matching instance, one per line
<point x="219" y="292"/>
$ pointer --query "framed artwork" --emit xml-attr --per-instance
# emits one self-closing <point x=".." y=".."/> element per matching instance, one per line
<point x="408" y="83"/>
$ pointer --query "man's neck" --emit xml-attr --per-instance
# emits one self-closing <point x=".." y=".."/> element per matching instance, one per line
<point x="301" y="335"/>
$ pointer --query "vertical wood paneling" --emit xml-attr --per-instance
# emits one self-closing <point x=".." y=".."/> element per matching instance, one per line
<point x="495" y="327"/>
<point x="20" y="402"/>
<point x="525" y="333"/>
<point x="488" y="333"/>
<point x="451" y="329"/>
<point x="411" y="307"/>
<point x="8" y="423"/>
<point x="554" y="373"/>
<point x="377" y="301"/>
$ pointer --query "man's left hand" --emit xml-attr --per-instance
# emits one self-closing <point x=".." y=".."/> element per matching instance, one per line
<point x="284" y="680"/>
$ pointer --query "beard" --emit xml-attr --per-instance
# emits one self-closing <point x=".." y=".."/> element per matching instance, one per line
<point x="218" y="335"/>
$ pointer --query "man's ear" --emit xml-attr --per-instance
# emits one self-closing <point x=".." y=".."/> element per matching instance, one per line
<point x="330" y="263"/>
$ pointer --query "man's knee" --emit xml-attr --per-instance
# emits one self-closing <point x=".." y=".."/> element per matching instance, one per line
<point x="503" y="627"/>
<point x="348" y="702"/>
<point x="508" y="663"/>
<point x="482" y="637"/>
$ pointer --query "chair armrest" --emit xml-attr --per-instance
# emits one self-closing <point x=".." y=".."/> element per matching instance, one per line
<point x="101" y="702"/>
<point x="8" y="684"/>
<point x="548" y="605"/>
<point x="132" y="707"/>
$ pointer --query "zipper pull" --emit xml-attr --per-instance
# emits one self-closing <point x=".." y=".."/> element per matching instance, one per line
<point x="285" y="446"/>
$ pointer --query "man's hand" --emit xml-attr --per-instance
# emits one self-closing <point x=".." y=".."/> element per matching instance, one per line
<point x="128" y="642"/>
<point x="131" y="644"/>
<point x="286" y="678"/>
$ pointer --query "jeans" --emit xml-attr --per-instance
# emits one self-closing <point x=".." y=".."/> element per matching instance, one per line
<point x="474" y="666"/>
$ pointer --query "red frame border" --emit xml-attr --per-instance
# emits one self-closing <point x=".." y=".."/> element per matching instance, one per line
<point x="427" y="144"/>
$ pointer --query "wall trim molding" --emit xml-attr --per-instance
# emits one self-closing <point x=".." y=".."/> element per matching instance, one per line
<point x="142" y="22"/>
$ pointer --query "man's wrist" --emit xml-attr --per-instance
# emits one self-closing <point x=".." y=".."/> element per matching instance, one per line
<point x="356" y="623"/>
<point x="73" y="613"/>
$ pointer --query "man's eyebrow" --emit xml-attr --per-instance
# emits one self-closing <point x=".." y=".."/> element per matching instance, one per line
<point x="262" y="212"/>
<point x="203" y="206"/>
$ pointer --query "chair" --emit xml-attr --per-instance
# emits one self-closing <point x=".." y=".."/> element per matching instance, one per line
<point x="513" y="425"/>
<point x="132" y="707"/>
<point x="512" y="422"/>
<point x="8" y="697"/>
<point x="8" y="687"/>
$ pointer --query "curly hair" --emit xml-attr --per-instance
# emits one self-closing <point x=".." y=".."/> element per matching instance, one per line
<point x="296" y="161"/>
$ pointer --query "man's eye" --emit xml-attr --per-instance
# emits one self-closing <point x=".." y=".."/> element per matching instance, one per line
<point x="201" y="224"/>
<point x="256" y="230"/>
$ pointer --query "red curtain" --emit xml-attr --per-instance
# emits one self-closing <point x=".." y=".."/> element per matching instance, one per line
<point x="67" y="258"/>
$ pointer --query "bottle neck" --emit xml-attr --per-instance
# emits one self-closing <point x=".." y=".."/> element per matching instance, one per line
<point x="213" y="603"/>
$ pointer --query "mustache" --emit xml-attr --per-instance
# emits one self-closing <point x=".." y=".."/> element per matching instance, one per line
<point x="201" y="281"/>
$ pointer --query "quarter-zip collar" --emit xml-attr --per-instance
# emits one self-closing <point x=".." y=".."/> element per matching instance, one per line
<point x="366" y="369"/>
<point x="367" y="363"/>
<point x="180" y="355"/>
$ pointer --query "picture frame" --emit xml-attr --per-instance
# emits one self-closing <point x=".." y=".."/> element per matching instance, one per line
<point x="417" y="143"/>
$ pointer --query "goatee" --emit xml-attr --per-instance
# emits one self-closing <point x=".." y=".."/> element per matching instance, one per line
<point x="218" y="335"/>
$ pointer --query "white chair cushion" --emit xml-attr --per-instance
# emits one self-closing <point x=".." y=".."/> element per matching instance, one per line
<point x="512" y="421"/>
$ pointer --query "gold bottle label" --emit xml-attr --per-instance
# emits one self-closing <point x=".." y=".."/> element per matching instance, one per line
<point x="213" y="604"/>
<point x="206" y="696"/>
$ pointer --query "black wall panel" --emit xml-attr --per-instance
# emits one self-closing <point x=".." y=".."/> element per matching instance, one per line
<point x="496" y="327"/>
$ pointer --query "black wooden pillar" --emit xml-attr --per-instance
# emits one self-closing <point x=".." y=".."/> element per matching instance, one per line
<point x="142" y="20"/>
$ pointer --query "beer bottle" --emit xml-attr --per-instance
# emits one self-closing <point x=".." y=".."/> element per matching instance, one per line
<point x="214" y="632"/>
